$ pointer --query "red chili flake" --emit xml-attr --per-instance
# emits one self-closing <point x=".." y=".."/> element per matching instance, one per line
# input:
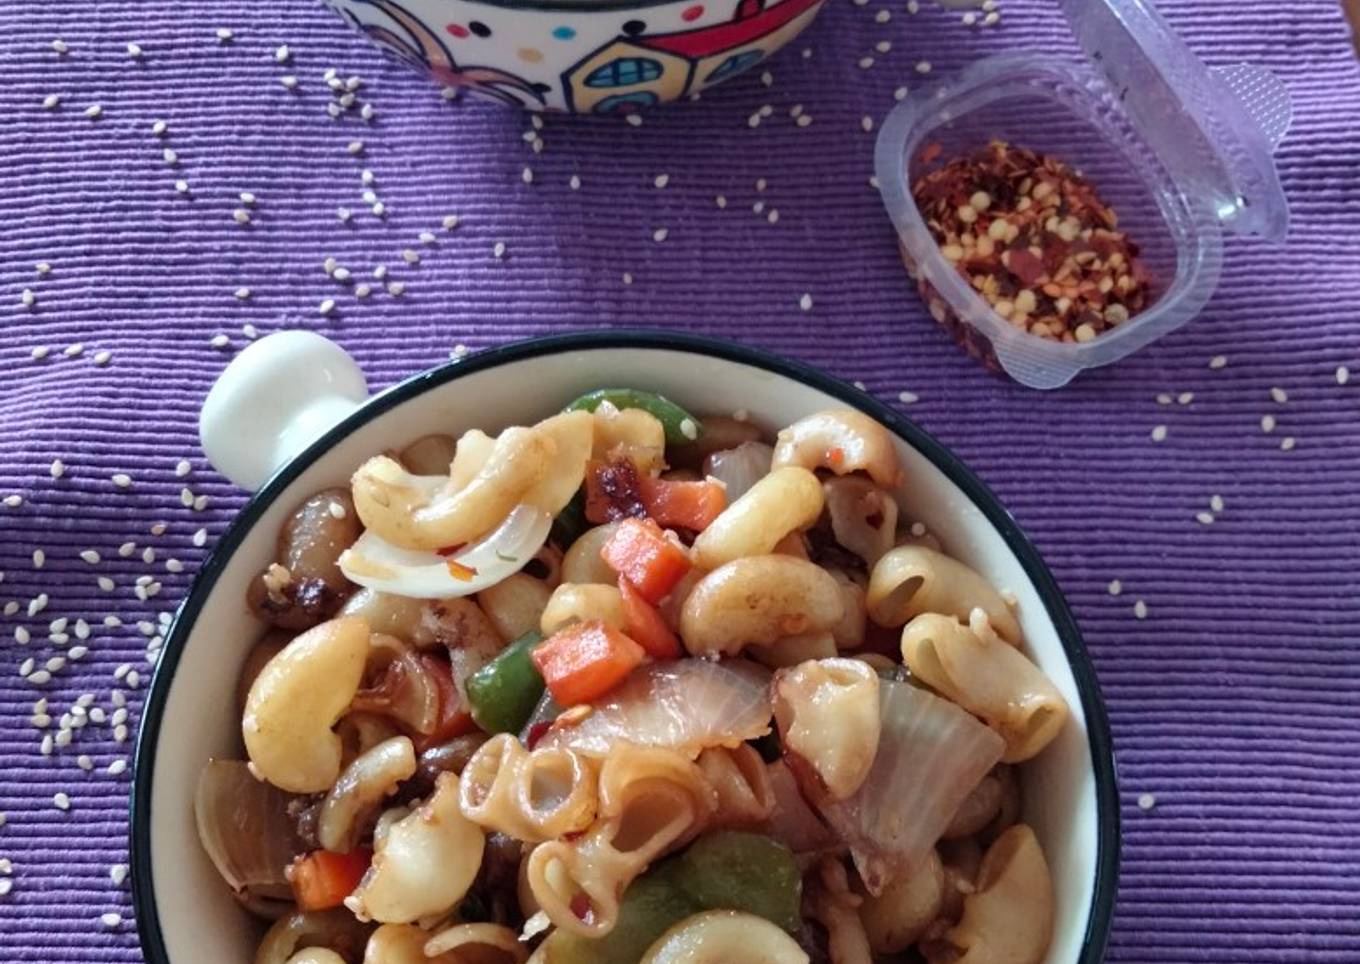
<point x="536" y="733"/>
<point x="930" y="152"/>
<point x="1024" y="266"/>
<point x="450" y="550"/>
<point x="459" y="571"/>
<point x="835" y="456"/>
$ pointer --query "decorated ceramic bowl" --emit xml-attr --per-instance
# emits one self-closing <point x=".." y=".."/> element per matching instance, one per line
<point x="291" y="415"/>
<point x="581" y="56"/>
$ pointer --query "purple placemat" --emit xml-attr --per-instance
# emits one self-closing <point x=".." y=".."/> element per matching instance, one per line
<point x="1233" y="697"/>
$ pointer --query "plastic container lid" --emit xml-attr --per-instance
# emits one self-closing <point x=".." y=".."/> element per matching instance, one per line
<point x="1200" y="140"/>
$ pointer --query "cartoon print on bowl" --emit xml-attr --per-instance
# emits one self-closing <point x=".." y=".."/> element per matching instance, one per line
<point x="616" y="58"/>
<point x="636" y="71"/>
<point x="410" y="40"/>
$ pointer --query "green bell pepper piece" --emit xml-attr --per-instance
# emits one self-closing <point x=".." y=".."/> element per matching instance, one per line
<point x="672" y="417"/>
<point x="504" y="692"/>
<point x="652" y="904"/>
<point x="571" y="522"/>
<point x="735" y="870"/>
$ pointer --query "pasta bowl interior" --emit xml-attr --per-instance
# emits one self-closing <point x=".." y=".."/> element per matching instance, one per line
<point x="867" y="748"/>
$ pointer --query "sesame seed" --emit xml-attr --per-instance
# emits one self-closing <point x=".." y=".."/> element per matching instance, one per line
<point x="1164" y="399"/>
<point x="427" y="237"/>
<point x="128" y="548"/>
<point x="183" y="468"/>
<point x="1146" y="801"/>
<point x="805" y="302"/>
<point x="90" y="556"/>
<point x="326" y="306"/>
<point x="1343" y="375"/>
<point x="451" y="220"/>
<point x="120" y="733"/>
<point x="59" y="46"/>
<point x="908" y="398"/>
<point x="111" y="918"/>
<point x="186" y="499"/>
<point x="118" y="873"/>
<point x="1115" y="587"/>
<point x="40" y="352"/>
<point x="57" y="469"/>
<point x="634" y="120"/>
<point x="1204" y="518"/>
<point x="866" y="62"/>
<point x="1140" y="609"/>
<point x="866" y="123"/>
<point x="39" y="557"/>
<point x="362" y="291"/>
<point x="289" y="81"/>
<point x="51" y="102"/>
<point x="22" y="636"/>
<point x="969" y="18"/>
<point x="241" y="215"/>
<point x="992" y="18"/>
<point x="41" y="677"/>
<point x="527" y="175"/>
<point x="773" y="216"/>
<point x="94" y="112"/>
<point x="913" y="7"/>
<point x="688" y="429"/>
<point x="74" y="350"/>
<point x="336" y="510"/>
<point x="1185" y="398"/>
<point x="923" y="67"/>
<point x="182" y="186"/>
<point x="883" y="16"/>
<point x="753" y="121"/>
<point x="355" y="147"/>
<point x="367" y="112"/>
<point x="1279" y="396"/>
<point x="627" y="277"/>
<point x="900" y="94"/>
<point x="170" y="156"/>
<point x="1267" y="423"/>
<point x="224" y="35"/>
<point x="242" y="294"/>
<point x="133" y="679"/>
<point x="27" y="666"/>
<point x="328" y="266"/>
<point x="803" y="120"/>
<point x="397" y="288"/>
<point x="117" y="767"/>
<point x="77" y="653"/>
<point x="174" y="565"/>
<point x="498" y="250"/>
<point x="660" y="234"/>
<point x="122" y="480"/>
<point x="720" y="201"/>
<point x="105" y="583"/>
<point x="37" y="604"/>
<point x="102" y="358"/>
<point x="6" y="886"/>
<point x="1159" y="433"/>
<point x="282" y="54"/>
<point x="84" y="762"/>
<point x="1287" y="443"/>
<point x="1218" y="361"/>
<point x="219" y="341"/>
<point x="410" y="256"/>
<point x="661" y="180"/>
<point x="341" y="275"/>
<point x="883" y="46"/>
<point x="200" y="503"/>
<point x="28" y="298"/>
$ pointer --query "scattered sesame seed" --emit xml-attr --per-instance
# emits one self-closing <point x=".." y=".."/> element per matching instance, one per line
<point x="14" y="501"/>
<point x="94" y="112"/>
<point x="77" y="653"/>
<point x="411" y="256"/>
<point x="527" y="175"/>
<point x="720" y="201"/>
<point x="992" y="18"/>
<point x="688" y="429"/>
<point x="224" y="35"/>
<point x="105" y="583"/>
<point x="22" y="637"/>
<point x="1147" y="801"/>
<point x="803" y="120"/>
<point x="1185" y="398"/>
<point x="118" y="873"/>
<point x="634" y="120"/>
<point x="182" y="186"/>
<point x="923" y="66"/>
<point x="1140" y="609"/>
<point x="289" y="81"/>
<point x="1279" y="396"/>
<point x="111" y="918"/>
<point x="133" y="679"/>
<point x="662" y="180"/>
<point x="883" y="16"/>
<point x="866" y="123"/>
<point x="200" y="503"/>
<point x="84" y="762"/>
<point x="57" y="469"/>
<point x="627" y="277"/>
<point x="219" y="341"/>
<point x="969" y="18"/>
<point x="1164" y="399"/>
<point x="282" y="54"/>
<point x="40" y="352"/>
<point x="451" y="220"/>
<point x="39" y="557"/>
<point x="1218" y="361"/>
<point x="367" y="112"/>
<point x="900" y="94"/>
<point x="170" y="156"/>
<point x="74" y="350"/>
<point x="1267" y="423"/>
<point x="117" y="767"/>
<point x="326" y="307"/>
<point x="498" y="250"/>
<point x="40" y="677"/>
<point x="28" y="298"/>
<point x="773" y="216"/>
<point x="174" y="565"/>
<point x="913" y="7"/>
<point x="122" y="480"/>
<point x="1204" y="518"/>
<point x="1159" y="433"/>
<point x="1343" y="375"/>
<point x="355" y="147"/>
<point x="1287" y="443"/>
<point x="1116" y="587"/>
<point x="427" y="237"/>
<point x="120" y="733"/>
<point x="59" y="46"/>
<point x="449" y="93"/>
<point x="660" y="234"/>
<point x="51" y="102"/>
<point x="805" y="302"/>
<point x="866" y="62"/>
<point x="883" y="46"/>
<point x="102" y="358"/>
<point x="397" y="288"/>
<point x="241" y="215"/>
<point x="341" y="275"/>
<point x="362" y="291"/>
<point x="908" y="398"/>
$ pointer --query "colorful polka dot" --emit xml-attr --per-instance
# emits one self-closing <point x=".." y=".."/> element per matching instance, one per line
<point x="479" y="28"/>
<point x="457" y="30"/>
<point x="564" y="33"/>
<point x="529" y="55"/>
<point x="693" y="13"/>
<point x="634" y="27"/>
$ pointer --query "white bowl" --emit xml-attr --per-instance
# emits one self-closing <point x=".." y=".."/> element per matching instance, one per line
<point x="183" y="908"/>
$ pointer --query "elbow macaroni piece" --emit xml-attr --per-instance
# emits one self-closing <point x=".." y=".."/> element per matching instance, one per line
<point x="792" y="650"/>
<point x="911" y="580"/>
<point x="849" y="633"/>
<point x="896" y="918"/>
<point x="480" y="943"/>
<point x="574" y="602"/>
<point x="787" y="500"/>
<point x="531" y="796"/>
<point x="629" y="433"/>
<point x="1010" y="916"/>
<point x="402" y="944"/>
<point x="758" y="600"/>
<point x="741" y="781"/>
<point x="570" y="435"/>
<point x="828" y="716"/>
<point x="863" y="516"/>
<point x="651" y="801"/>
<point x="844" y="441"/>
<point x="835" y="907"/>
<point x="724" y="936"/>
<point x="430" y="455"/>
<point x="316" y="955"/>
<point x="354" y="800"/>
<point x="582" y="563"/>
<point x="515" y="604"/>
<point x="424" y="864"/>
<point x="973" y="667"/>
<point x="297" y="698"/>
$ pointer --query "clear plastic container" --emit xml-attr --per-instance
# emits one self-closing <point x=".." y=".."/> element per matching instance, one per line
<point x="1180" y="151"/>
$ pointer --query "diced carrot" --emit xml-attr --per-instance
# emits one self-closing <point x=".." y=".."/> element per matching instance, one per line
<point x="323" y="878"/>
<point x="454" y="718"/>
<point x="638" y="551"/>
<point x="686" y="505"/>
<point x="586" y="660"/>
<point x="645" y="625"/>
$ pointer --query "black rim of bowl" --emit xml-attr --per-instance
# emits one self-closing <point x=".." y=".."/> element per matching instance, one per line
<point x="1097" y="721"/>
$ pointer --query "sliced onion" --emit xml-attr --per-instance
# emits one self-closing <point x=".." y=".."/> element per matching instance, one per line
<point x="404" y="691"/>
<point x="377" y="564"/>
<point x="931" y="754"/>
<point x="547" y="710"/>
<point x="243" y="824"/>
<point x="793" y="821"/>
<point x="687" y="705"/>
<point x="740" y="468"/>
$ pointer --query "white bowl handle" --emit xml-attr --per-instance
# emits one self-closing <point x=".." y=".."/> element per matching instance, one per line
<point x="275" y="398"/>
